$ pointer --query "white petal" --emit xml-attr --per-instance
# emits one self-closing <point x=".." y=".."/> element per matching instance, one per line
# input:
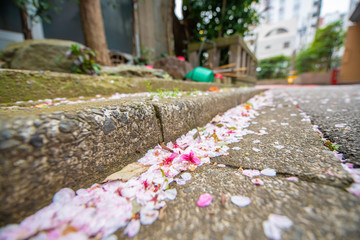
<point x="256" y="149"/>
<point x="64" y="196"/>
<point x="148" y="216"/>
<point x="240" y="201"/>
<point x="186" y="176"/>
<point x="180" y="181"/>
<point x="171" y="193"/>
<point x="132" y="228"/>
<point x="280" y="221"/>
<point x="268" y="172"/>
<point x="271" y="231"/>
<point x="236" y="148"/>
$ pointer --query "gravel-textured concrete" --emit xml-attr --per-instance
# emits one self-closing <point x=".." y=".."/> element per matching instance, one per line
<point x="317" y="211"/>
<point x="331" y="105"/>
<point x="303" y="155"/>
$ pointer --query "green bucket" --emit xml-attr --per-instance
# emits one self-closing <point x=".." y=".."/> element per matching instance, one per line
<point x="201" y="74"/>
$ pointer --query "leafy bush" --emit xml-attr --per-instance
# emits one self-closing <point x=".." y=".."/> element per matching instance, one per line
<point x="319" y="56"/>
<point x="274" y="67"/>
<point x="84" y="62"/>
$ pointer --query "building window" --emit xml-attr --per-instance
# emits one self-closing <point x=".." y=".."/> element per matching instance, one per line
<point x="286" y="44"/>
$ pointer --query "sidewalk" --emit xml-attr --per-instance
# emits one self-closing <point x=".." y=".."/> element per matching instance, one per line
<point x="316" y="203"/>
<point x="307" y="191"/>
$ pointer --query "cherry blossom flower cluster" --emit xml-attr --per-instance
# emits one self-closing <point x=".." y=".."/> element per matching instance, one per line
<point x="101" y="210"/>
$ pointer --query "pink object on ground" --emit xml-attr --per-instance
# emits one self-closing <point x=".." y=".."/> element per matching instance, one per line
<point x="204" y="200"/>
<point x="148" y="66"/>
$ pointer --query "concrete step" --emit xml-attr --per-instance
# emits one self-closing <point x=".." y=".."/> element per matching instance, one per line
<point x="44" y="150"/>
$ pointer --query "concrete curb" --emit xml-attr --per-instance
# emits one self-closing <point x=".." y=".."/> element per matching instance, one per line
<point x="42" y="152"/>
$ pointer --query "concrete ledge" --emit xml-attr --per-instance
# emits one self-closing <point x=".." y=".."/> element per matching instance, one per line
<point x="44" y="151"/>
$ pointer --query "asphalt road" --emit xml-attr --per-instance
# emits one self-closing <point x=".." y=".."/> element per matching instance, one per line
<point x="336" y="110"/>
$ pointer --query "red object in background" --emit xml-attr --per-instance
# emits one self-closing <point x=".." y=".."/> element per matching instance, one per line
<point x="218" y="75"/>
<point x="148" y="66"/>
<point x="334" y="76"/>
<point x="181" y="58"/>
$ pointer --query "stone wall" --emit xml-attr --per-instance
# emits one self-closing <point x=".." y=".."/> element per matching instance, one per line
<point x="46" y="150"/>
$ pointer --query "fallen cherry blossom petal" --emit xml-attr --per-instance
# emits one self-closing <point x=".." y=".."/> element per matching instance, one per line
<point x="64" y="195"/>
<point x="256" y="149"/>
<point x="257" y="181"/>
<point x="221" y="165"/>
<point x="251" y="173"/>
<point x="284" y="124"/>
<point x="236" y="148"/>
<point x="240" y="201"/>
<point x="271" y="231"/>
<point x="171" y="193"/>
<point x="269" y="172"/>
<point x="282" y="222"/>
<point x="180" y="181"/>
<point x="148" y="216"/>
<point x="204" y="200"/>
<point x="278" y="147"/>
<point x="340" y="125"/>
<point x="132" y="228"/>
<point x="275" y="224"/>
<point x="256" y="141"/>
<point x="293" y="179"/>
<point x="186" y="176"/>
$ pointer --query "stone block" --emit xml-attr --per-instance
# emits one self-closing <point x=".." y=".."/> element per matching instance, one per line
<point x="42" y="154"/>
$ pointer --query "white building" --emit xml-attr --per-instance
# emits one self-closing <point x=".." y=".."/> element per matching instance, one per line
<point x="276" y="39"/>
<point x="275" y="13"/>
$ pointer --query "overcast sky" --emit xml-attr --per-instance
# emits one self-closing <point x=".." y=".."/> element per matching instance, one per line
<point x="328" y="6"/>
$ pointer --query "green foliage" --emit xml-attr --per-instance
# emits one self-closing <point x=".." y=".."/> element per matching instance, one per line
<point x="84" y="62"/>
<point x="207" y="18"/>
<point x="274" y="67"/>
<point x="146" y="55"/>
<point x="319" y="56"/>
<point x="39" y="8"/>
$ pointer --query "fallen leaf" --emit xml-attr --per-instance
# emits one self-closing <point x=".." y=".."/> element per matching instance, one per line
<point x="163" y="146"/>
<point x="162" y="212"/>
<point x="223" y="200"/>
<point x="68" y="230"/>
<point x="214" y="89"/>
<point x="132" y="170"/>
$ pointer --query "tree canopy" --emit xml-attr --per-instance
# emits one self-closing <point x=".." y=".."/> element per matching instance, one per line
<point x="214" y="18"/>
<point x="319" y="56"/>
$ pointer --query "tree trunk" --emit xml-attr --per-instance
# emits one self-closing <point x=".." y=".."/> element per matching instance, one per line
<point x="25" y="24"/>
<point x="93" y="29"/>
<point x="169" y="22"/>
<point x="223" y="9"/>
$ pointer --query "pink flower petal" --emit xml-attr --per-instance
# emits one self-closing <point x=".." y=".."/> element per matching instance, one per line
<point x="240" y="201"/>
<point x="251" y="173"/>
<point x="204" y="200"/>
<point x="293" y="179"/>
